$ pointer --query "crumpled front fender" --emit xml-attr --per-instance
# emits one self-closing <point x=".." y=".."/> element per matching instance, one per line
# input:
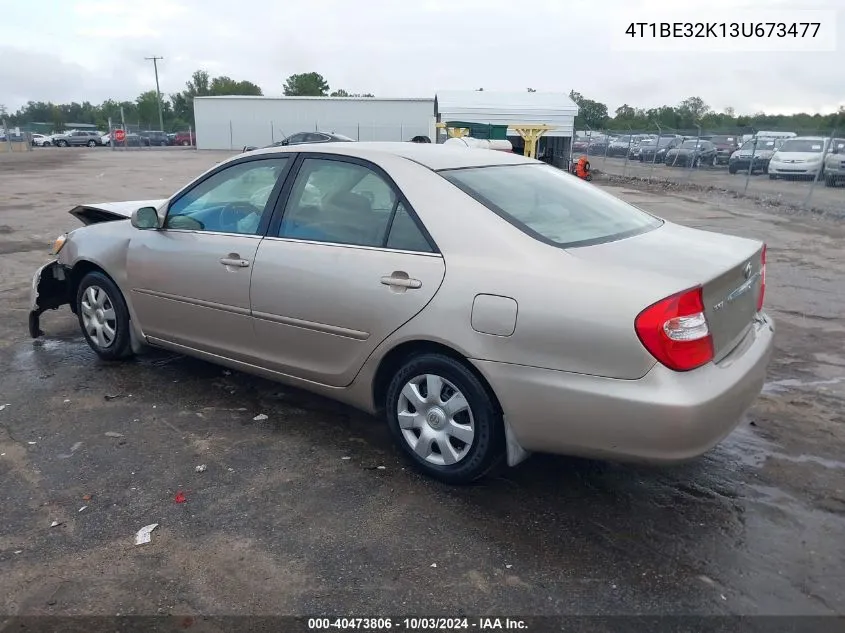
<point x="50" y="290"/>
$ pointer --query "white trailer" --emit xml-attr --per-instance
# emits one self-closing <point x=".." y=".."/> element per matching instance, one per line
<point x="233" y="122"/>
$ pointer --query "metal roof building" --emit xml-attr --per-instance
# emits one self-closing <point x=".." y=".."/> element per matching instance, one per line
<point x="500" y="108"/>
<point x="510" y="108"/>
<point x="232" y="122"/>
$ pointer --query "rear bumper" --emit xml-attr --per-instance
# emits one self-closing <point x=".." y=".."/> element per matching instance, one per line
<point x="664" y="417"/>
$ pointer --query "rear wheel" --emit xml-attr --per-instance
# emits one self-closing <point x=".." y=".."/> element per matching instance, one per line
<point x="163" y="143"/>
<point x="443" y="419"/>
<point x="185" y="143"/>
<point x="92" y="143"/>
<point x="731" y="169"/>
<point x="103" y="316"/>
<point x="773" y="176"/>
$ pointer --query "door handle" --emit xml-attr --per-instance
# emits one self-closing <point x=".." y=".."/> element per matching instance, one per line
<point x="234" y="261"/>
<point x="401" y="281"/>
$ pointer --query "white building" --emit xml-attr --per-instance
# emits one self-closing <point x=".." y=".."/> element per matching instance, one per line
<point x="232" y="122"/>
<point x="506" y="108"/>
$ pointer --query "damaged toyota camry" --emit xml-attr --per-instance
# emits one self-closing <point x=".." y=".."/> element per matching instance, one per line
<point x="484" y="304"/>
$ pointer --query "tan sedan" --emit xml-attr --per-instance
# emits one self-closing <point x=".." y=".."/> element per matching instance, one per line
<point x="486" y="305"/>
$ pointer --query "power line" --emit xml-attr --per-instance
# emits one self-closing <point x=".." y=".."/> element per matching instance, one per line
<point x="158" y="92"/>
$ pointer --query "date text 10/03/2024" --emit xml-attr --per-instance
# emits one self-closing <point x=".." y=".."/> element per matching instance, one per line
<point x="418" y="624"/>
<point x="723" y="29"/>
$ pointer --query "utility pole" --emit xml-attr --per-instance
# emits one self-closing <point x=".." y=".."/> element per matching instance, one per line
<point x="158" y="92"/>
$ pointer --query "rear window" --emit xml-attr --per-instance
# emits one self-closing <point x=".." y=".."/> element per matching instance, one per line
<point x="551" y="205"/>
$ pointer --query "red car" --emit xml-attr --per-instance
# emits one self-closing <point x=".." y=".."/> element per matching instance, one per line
<point x="185" y="138"/>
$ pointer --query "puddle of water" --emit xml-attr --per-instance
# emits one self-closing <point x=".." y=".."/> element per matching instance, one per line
<point x="788" y="384"/>
<point x="810" y="459"/>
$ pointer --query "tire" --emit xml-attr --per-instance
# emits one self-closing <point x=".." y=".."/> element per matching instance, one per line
<point x="92" y="143"/>
<point x="61" y="143"/>
<point x="773" y="177"/>
<point x="481" y="446"/>
<point x="185" y="143"/>
<point x="163" y="144"/>
<point x="731" y="169"/>
<point x="96" y="297"/>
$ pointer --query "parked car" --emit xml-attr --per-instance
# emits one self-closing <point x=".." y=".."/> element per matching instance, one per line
<point x="489" y="306"/>
<point x="304" y="138"/>
<point x="581" y="144"/>
<point x="40" y="140"/>
<point x="760" y="150"/>
<point x="692" y="153"/>
<point x="834" y="164"/>
<point x="185" y="139"/>
<point x="655" y="150"/>
<point x="799" y="157"/>
<point x="133" y="139"/>
<point x="620" y="145"/>
<point x="171" y="138"/>
<point x="77" y="138"/>
<point x="156" y="137"/>
<point x="598" y="145"/>
<point x="725" y="146"/>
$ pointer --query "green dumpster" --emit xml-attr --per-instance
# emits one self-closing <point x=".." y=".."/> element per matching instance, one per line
<point x="482" y="130"/>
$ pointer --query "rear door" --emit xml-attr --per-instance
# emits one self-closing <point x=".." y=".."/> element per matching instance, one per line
<point x="344" y="266"/>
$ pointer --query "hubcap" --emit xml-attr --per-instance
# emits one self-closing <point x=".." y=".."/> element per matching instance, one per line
<point x="435" y="419"/>
<point x="98" y="316"/>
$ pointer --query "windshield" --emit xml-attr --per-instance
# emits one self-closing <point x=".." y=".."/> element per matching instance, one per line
<point x="762" y="145"/>
<point x="803" y="145"/>
<point x="342" y="137"/>
<point x="551" y="205"/>
<point x="665" y="141"/>
<point x="723" y="140"/>
<point x="691" y="144"/>
<point x="623" y="139"/>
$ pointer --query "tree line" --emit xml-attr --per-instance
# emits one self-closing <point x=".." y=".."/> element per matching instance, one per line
<point x="693" y="112"/>
<point x="177" y="108"/>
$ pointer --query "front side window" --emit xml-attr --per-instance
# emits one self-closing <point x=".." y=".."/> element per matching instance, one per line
<point x="339" y="202"/>
<point x="550" y="205"/>
<point x="230" y="201"/>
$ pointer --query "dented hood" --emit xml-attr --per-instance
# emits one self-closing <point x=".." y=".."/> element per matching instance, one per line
<point x="110" y="211"/>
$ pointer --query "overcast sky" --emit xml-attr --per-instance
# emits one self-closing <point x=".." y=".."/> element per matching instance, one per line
<point x="66" y="50"/>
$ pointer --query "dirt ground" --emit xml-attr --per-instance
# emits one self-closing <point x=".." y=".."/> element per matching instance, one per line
<point x="794" y="192"/>
<point x="293" y="514"/>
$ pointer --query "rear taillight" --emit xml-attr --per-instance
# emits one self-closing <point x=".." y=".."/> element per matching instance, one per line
<point x="762" y="279"/>
<point x="675" y="331"/>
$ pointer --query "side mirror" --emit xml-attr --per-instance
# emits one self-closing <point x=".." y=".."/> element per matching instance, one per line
<point x="145" y="218"/>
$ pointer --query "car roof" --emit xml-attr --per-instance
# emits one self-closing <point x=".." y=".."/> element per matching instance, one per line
<point x="433" y="156"/>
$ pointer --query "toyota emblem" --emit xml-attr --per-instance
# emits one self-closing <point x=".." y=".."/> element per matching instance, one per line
<point x="747" y="270"/>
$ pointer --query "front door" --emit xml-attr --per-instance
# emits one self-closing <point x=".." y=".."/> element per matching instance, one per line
<point x="190" y="279"/>
<point x="348" y="264"/>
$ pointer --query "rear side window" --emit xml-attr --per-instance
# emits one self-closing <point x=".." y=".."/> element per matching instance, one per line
<point x="551" y="205"/>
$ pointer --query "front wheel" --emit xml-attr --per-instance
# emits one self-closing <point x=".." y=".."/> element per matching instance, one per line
<point x="185" y="143"/>
<point x="103" y="316"/>
<point x="443" y="419"/>
<point x="773" y="177"/>
<point x="92" y="143"/>
<point x="163" y="144"/>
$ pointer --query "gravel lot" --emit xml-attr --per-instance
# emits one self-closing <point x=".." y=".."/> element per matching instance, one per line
<point x="830" y="200"/>
<point x="293" y="513"/>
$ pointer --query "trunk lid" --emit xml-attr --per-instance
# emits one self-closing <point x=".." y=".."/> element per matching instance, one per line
<point x="728" y="268"/>
<point x="110" y="211"/>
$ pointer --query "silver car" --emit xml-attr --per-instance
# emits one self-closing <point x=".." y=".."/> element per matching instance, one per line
<point x="484" y="304"/>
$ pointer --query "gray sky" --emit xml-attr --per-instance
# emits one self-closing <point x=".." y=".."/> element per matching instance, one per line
<point x="65" y="50"/>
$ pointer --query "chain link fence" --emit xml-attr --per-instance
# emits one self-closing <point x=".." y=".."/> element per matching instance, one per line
<point x="806" y="170"/>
